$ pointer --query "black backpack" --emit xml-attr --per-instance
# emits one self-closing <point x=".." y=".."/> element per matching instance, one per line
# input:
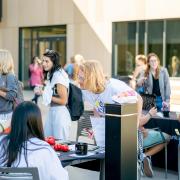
<point x="75" y="102"/>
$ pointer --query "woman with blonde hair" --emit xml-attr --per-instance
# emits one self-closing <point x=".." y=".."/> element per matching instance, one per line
<point x="98" y="89"/>
<point x="141" y="65"/>
<point x="8" y="88"/>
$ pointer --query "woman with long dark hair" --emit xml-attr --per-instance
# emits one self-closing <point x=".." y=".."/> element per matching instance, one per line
<point x="25" y="145"/>
<point x="55" y="94"/>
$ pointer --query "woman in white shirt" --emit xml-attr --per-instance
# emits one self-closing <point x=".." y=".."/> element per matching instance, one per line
<point x="58" y="121"/>
<point x="25" y="145"/>
<point x="98" y="89"/>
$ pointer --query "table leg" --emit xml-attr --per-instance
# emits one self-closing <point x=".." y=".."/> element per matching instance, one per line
<point x="102" y="169"/>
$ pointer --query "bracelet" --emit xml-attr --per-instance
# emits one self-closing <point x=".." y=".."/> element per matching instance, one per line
<point x="2" y="128"/>
<point x="150" y="114"/>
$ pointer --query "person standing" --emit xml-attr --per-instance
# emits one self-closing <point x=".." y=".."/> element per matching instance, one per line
<point x="36" y="76"/>
<point x="8" y="88"/>
<point x="55" y="94"/>
<point x="156" y="81"/>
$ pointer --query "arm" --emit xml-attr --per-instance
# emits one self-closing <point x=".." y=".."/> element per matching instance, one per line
<point x="139" y="108"/>
<point x="11" y="86"/>
<point x="63" y="95"/>
<point x="145" y="118"/>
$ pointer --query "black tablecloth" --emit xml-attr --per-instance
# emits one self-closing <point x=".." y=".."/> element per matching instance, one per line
<point x="167" y="125"/>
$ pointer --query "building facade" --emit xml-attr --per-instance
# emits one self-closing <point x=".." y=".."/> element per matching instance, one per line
<point x="113" y="32"/>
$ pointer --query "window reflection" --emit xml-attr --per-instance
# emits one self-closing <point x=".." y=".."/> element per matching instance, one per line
<point x="142" y="37"/>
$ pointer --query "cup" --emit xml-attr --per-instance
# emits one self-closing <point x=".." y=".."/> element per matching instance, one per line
<point x="166" y="113"/>
<point x="81" y="148"/>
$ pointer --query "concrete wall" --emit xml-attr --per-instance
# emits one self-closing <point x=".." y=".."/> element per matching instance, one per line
<point x="26" y="13"/>
<point x="89" y="22"/>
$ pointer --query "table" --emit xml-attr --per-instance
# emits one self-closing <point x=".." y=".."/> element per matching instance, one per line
<point x="167" y="125"/>
<point x="68" y="160"/>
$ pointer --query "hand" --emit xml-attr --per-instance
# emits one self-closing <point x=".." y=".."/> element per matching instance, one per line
<point x="165" y="105"/>
<point x="141" y="81"/>
<point x="153" y="111"/>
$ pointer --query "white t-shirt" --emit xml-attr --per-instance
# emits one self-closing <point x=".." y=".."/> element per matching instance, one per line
<point x="113" y="87"/>
<point x="41" y="155"/>
<point x="60" y="77"/>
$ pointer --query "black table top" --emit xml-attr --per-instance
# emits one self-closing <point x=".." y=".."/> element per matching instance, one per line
<point x="167" y="125"/>
<point x="66" y="159"/>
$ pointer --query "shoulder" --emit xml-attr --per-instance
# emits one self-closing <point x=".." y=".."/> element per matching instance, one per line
<point x="116" y="83"/>
<point x="11" y="77"/>
<point x="60" y="77"/>
<point x="60" y="74"/>
<point x="163" y="70"/>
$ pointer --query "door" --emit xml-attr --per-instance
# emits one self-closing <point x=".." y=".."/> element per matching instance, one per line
<point x="57" y="44"/>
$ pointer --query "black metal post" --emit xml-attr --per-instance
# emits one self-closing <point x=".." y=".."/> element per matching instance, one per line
<point x="121" y="142"/>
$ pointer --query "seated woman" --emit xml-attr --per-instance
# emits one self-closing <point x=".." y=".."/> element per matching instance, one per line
<point x="25" y="145"/>
<point x="151" y="139"/>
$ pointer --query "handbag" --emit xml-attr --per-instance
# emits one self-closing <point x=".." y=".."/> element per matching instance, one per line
<point x="149" y="101"/>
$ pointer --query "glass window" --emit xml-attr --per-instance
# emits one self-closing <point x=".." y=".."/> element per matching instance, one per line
<point x="34" y="41"/>
<point x="173" y="47"/>
<point x="155" y="38"/>
<point x="124" y="47"/>
<point x="141" y="34"/>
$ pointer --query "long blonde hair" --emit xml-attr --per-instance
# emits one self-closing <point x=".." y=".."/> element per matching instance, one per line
<point x="94" y="78"/>
<point x="6" y="62"/>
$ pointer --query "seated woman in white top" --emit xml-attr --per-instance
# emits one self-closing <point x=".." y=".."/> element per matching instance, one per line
<point x="25" y="145"/>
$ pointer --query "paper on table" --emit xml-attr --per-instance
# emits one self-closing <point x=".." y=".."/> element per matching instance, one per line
<point x="123" y="100"/>
<point x="98" y="126"/>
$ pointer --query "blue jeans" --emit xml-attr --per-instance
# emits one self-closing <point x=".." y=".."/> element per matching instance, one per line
<point x="140" y="89"/>
<point x="158" y="103"/>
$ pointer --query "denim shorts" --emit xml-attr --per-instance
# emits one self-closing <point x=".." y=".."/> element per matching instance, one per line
<point x="154" y="138"/>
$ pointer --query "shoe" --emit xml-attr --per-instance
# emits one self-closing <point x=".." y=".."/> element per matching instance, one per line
<point x="147" y="167"/>
<point x="140" y="168"/>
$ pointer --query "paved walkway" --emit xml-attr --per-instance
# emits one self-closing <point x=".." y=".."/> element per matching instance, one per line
<point x="81" y="174"/>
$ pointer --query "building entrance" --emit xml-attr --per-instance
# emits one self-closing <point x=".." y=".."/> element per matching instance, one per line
<point x="35" y="41"/>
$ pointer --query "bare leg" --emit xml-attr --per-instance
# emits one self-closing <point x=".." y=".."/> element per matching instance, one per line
<point x="155" y="149"/>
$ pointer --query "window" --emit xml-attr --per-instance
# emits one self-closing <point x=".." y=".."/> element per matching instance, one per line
<point x="124" y="47"/>
<point x="142" y="37"/>
<point x="173" y="47"/>
<point x="35" y="40"/>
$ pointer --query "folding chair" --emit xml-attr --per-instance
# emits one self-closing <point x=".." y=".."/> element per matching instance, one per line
<point x="84" y="125"/>
<point x="19" y="173"/>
